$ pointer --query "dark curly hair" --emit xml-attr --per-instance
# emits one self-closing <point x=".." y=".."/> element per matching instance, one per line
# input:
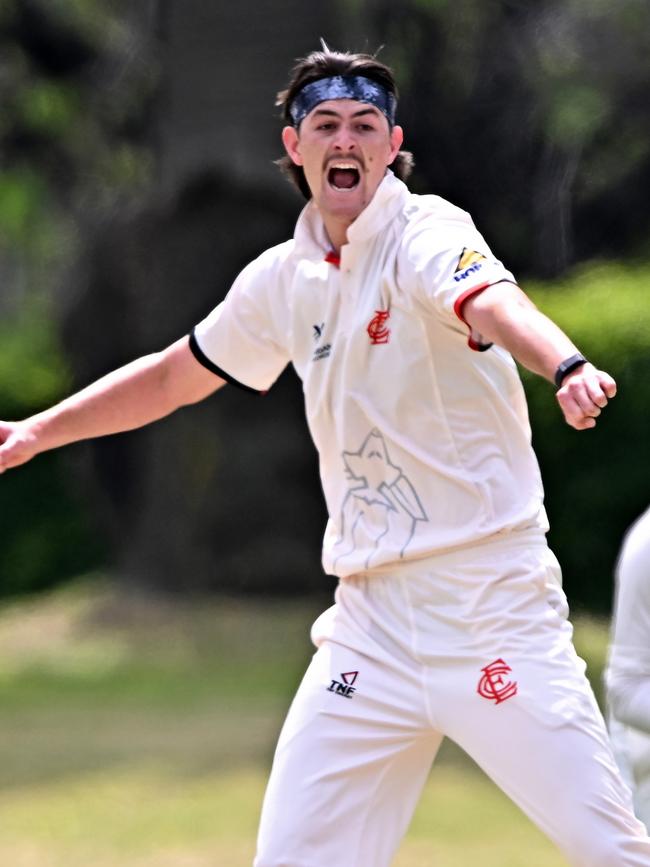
<point x="322" y="64"/>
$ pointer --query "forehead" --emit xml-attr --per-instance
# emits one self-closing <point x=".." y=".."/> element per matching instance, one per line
<point x="345" y="109"/>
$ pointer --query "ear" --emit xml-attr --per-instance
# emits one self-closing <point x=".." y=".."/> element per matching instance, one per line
<point x="396" y="141"/>
<point x="291" y="143"/>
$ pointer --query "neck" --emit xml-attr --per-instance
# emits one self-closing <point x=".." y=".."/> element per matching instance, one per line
<point x="337" y="232"/>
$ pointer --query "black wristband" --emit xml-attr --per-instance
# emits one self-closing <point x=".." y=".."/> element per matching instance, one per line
<point x="568" y="365"/>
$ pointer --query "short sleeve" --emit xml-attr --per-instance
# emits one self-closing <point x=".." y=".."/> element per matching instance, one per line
<point x="447" y="261"/>
<point x="244" y="339"/>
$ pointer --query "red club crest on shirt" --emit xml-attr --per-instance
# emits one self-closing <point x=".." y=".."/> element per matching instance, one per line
<point x="377" y="330"/>
<point x="493" y="684"/>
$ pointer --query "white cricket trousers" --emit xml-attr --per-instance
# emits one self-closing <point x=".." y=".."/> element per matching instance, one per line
<point x="474" y="645"/>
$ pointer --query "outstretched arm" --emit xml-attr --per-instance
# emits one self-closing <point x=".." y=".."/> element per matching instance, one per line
<point x="131" y="396"/>
<point x="504" y="315"/>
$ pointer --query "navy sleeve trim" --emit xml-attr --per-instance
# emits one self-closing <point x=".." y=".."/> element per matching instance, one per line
<point x="203" y="359"/>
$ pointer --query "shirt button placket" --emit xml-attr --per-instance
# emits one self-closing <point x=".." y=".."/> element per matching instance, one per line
<point x="346" y="284"/>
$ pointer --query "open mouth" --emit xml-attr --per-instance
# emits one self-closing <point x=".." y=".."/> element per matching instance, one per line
<point x="343" y="176"/>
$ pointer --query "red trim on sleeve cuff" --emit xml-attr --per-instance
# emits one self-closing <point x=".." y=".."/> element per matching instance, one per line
<point x="460" y="301"/>
<point x="476" y="345"/>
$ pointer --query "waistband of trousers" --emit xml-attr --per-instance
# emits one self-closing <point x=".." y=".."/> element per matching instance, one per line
<point x="507" y="540"/>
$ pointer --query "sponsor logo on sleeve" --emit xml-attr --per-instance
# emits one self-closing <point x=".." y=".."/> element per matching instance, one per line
<point x="469" y="262"/>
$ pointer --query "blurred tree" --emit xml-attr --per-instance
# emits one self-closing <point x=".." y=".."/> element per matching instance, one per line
<point x="535" y="116"/>
<point x="75" y="79"/>
<point x="597" y="483"/>
<point x="74" y="82"/>
<point x="220" y="77"/>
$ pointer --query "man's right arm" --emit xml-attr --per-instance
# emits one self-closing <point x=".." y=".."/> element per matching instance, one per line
<point x="142" y="391"/>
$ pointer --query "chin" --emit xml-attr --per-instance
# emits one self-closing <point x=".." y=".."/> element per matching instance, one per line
<point x="348" y="204"/>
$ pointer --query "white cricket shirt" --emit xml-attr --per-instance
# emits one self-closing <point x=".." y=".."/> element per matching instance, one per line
<point x="424" y="441"/>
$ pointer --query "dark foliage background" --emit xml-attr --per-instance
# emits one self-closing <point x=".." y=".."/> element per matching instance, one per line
<point x="136" y="178"/>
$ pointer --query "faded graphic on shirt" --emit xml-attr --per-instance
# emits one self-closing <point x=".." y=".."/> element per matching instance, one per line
<point x="381" y="503"/>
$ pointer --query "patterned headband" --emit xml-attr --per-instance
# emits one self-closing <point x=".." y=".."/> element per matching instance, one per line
<point x="342" y="87"/>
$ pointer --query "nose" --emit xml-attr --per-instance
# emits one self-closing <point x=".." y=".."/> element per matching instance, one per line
<point x="344" y="140"/>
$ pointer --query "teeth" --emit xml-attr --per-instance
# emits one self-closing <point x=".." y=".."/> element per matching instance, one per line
<point x="340" y="164"/>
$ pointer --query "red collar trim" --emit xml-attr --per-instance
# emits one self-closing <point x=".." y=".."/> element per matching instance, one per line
<point x="333" y="258"/>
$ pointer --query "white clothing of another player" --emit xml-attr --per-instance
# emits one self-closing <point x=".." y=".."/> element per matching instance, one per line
<point x="627" y="678"/>
<point x="450" y="617"/>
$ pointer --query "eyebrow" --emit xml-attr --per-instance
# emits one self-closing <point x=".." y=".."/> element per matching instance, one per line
<point x="331" y="112"/>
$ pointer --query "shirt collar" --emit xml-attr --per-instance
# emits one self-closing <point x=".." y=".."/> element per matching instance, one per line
<point x="310" y="235"/>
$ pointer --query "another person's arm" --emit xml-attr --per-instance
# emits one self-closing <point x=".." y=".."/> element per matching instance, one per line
<point x="629" y="700"/>
<point x="142" y="391"/>
<point x="628" y="673"/>
<point x="503" y="314"/>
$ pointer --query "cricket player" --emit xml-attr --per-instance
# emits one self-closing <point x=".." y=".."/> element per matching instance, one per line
<point x="449" y="615"/>
<point x="627" y="678"/>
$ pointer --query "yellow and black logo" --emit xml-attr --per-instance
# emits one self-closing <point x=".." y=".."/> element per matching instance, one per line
<point x="467" y="258"/>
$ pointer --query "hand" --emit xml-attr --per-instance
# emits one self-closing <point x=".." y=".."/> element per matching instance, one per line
<point x="584" y="394"/>
<point x="17" y="444"/>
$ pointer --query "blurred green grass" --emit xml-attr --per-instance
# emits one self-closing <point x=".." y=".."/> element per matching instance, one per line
<point x="139" y="731"/>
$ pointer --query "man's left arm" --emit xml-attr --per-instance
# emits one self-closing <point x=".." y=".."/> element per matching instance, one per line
<point x="503" y="314"/>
